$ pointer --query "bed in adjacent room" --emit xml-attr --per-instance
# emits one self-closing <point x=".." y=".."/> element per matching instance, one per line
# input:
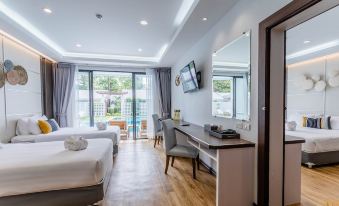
<point x="47" y="174"/>
<point x="321" y="146"/>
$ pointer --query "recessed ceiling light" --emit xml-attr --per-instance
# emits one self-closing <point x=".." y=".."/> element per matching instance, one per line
<point x="307" y="41"/>
<point x="214" y="54"/>
<point x="99" y="16"/>
<point x="204" y="19"/>
<point x="140" y="50"/>
<point x="143" y="22"/>
<point x="78" y="45"/>
<point x="47" y="10"/>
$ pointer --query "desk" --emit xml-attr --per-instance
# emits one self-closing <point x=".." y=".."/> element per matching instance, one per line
<point x="292" y="170"/>
<point x="235" y="164"/>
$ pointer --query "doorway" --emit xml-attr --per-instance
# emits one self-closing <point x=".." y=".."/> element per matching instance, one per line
<point x="115" y="98"/>
<point x="272" y="98"/>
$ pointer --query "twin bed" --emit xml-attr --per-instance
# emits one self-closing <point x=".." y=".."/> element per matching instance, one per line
<point x="37" y="169"/>
<point x="112" y="133"/>
<point x="321" y="146"/>
<point x="47" y="174"/>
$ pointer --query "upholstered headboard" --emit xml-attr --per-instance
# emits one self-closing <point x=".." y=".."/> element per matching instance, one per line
<point x="11" y="125"/>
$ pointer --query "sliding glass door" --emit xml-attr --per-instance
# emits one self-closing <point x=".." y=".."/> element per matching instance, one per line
<point x="115" y="98"/>
<point x="141" y="104"/>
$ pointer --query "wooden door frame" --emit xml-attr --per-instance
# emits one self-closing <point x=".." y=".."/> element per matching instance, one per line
<point x="294" y="13"/>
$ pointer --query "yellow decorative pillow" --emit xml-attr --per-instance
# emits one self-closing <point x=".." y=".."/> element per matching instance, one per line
<point x="45" y="127"/>
<point x="304" y="121"/>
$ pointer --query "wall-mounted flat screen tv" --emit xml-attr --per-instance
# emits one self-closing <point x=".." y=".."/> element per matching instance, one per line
<point x="188" y="76"/>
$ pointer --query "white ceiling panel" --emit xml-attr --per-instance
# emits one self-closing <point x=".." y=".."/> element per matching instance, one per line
<point x="118" y="36"/>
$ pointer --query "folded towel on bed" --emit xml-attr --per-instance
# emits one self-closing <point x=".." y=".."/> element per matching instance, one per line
<point x="291" y="126"/>
<point x="75" y="143"/>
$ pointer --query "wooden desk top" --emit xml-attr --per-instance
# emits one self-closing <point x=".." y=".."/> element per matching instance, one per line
<point x="294" y="140"/>
<point x="198" y="134"/>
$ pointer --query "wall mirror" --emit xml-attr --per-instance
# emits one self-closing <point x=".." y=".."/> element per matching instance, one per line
<point x="231" y="78"/>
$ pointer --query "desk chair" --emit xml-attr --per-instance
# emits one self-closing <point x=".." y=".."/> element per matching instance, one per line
<point x="157" y="129"/>
<point x="173" y="149"/>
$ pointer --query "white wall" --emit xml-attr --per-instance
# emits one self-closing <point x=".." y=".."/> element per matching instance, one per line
<point x="18" y="101"/>
<point x="300" y="101"/>
<point x="197" y="107"/>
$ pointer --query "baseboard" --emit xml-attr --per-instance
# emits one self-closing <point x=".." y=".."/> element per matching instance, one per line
<point x="210" y="169"/>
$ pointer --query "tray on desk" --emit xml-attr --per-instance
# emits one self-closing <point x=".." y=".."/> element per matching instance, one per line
<point x="224" y="136"/>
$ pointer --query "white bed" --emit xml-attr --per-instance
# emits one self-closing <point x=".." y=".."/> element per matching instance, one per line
<point x="47" y="166"/>
<point x="317" y="140"/>
<point x="112" y="132"/>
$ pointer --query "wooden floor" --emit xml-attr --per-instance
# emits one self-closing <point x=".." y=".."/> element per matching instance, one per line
<point x="320" y="186"/>
<point x="138" y="179"/>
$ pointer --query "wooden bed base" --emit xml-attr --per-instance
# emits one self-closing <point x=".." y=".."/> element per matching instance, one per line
<point x="321" y="158"/>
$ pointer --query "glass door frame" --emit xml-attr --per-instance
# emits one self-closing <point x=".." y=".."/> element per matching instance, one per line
<point x="91" y="96"/>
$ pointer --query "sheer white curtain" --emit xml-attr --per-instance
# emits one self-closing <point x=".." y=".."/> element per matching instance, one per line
<point x="152" y="101"/>
<point x="73" y="111"/>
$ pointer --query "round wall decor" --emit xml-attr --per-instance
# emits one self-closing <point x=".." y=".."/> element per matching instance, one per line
<point x="23" y="77"/>
<point x="13" y="77"/>
<point x="177" y="80"/>
<point x="8" y="65"/>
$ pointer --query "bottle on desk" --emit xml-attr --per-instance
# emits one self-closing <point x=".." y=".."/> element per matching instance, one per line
<point x="176" y="115"/>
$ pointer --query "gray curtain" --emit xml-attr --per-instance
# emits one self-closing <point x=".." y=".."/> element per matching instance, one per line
<point x="46" y="73"/>
<point x="163" y="88"/>
<point x="63" y="77"/>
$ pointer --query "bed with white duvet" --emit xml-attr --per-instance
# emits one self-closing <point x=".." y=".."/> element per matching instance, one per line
<point x="112" y="133"/>
<point x="317" y="140"/>
<point x="321" y="146"/>
<point x="47" y="166"/>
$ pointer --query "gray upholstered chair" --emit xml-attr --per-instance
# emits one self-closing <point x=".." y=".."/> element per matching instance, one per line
<point x="173" y="149"/>
<point x="157" y="129"/>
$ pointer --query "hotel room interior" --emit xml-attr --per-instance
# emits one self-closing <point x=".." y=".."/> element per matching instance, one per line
<point x="181" y="102"/>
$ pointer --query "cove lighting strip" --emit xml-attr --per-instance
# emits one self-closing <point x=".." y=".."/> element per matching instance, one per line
<point x="313" y="49"/>
<point x="184" y="11"/>
<point x="10" y="37"/>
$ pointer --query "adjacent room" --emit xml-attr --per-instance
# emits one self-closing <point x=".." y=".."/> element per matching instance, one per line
<point x="312" y="111"/>
<point x="153" y="102"/>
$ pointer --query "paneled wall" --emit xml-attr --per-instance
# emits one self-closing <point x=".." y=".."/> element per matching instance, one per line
<point x="19" y="101"/>
<point x="300" y="101"/>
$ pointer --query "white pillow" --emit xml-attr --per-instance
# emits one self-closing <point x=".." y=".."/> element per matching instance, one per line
<point x="335" y="122"/>
<point x="22" y="127"/>
<point x="33" y="126"/>
<point x="43" y="117"/>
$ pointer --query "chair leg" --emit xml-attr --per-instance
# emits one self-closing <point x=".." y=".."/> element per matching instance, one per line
<point x="193" y="165"/>
<point x="155" y="141"/>
<point x="198" y="162"/>
<point x="159" y="140"/>
<point x="167" y="163"/>
<point x="172" y="161"/>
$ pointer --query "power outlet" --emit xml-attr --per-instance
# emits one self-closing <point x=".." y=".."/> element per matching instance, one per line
<point x="239" y="125"/>
<point x="246" y="126"/>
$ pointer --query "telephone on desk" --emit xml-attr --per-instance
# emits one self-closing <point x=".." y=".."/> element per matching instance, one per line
<point x="225" y="134"/>
<point x="227" y="131"/>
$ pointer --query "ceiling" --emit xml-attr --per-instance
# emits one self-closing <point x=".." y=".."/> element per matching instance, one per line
<point x="73" y="33"/>
<point x="237" y="51"/>
<point x="316" y="37"/>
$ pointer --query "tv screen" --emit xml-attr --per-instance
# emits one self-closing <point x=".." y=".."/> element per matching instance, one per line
<point x="188" y="77"/>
